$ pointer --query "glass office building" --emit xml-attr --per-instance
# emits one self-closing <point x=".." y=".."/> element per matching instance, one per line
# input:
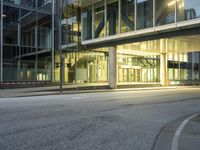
<point x="104" y="41"/>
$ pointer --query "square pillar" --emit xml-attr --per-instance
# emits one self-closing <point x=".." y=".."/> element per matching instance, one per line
<point x="113" y="67"/>
<point x="163" y="62"/>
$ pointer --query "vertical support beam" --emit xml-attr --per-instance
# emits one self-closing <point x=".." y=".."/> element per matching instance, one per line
<point x="193" y="62"/>
<point x="19" y="46"/>
<point x="113" y="67"/>
<point x="199" y="66"/>
<point x="135" y="15"/>
<point x="179" y="66"/>
<point x="119" y="16"/>
<point x="105" y="18"/>
<point x="52" y="42"/>
<point x="18" y="70"/>
<point x="1" y="42"/>
<point x="36" y="68"/>
<point x="154" y="13"/>
<point x="36" y="45"/>
<point x="93" y="21"/>
<point x="176" y="11"/>
<point x="163" y="62"/>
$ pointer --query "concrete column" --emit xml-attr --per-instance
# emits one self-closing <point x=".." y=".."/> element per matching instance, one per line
<point x="163" y="62"/>
<point x="112" y="67"/>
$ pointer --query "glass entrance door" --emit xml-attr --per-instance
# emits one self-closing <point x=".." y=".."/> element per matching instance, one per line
<point x="129" y="75"/>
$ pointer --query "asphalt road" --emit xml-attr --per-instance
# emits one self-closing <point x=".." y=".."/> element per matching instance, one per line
<point x="124" y="120"/>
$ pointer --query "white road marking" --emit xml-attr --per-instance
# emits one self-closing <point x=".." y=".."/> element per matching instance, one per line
<point x="177" y="134"/>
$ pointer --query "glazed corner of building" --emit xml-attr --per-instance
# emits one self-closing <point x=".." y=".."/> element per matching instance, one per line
<point x="157" y="40"/>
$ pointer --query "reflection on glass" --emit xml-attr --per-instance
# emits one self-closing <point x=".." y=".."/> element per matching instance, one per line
<point x="165" y="12"/>
<point x="71" y="25"/>
<point x="188" y="9"/>
<point x="29" y="3"/>
<point x="184" y="66"/>
<point x="144" y="14"/>
<point x="87" y="23"/>
<point x="112" y="17"/>
<point x="44" y="31"/>
<point x="127" y="15"/>
<point x="21" y="27"/>
<point x="99" y="22"/>
<point x="27" y="30"/>
<point x="10" y="25"/>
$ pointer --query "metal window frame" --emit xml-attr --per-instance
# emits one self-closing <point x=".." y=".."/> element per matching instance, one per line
<point x="1" y="43"/>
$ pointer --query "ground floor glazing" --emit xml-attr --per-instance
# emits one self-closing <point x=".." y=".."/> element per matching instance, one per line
<point x="139" y="62"/>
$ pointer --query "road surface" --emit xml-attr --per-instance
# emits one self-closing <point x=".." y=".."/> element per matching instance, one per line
<point x="123" y="120"/>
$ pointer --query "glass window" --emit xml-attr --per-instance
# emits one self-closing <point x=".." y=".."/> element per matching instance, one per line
<point x="99" y="23"/>
<point x="10" y="25"/>
<point x="28" y="26"/>
<point x="44" y="5"/>
<point x="71" y="24"/>
<point x="127" y="15"/>
<point x="10" y="62"/>
<point x="13" y="1"/>
<point x="144" y="14"/>
<point x="112" y="17"/>
<point x="165" y="12"/>
<point x="188" y="9"/>
<point x="44" y="31"/>
<point x="87" y="23"/>
<point x="29" y="3"/>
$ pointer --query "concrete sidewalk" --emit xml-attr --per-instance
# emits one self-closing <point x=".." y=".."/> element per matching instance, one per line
<point x="50" y="90"/>
<point x="190" y="136"/>
<point x="74" y="89"/>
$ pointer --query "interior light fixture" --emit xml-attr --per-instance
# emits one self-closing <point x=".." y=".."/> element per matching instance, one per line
<point x="171" y="3"/>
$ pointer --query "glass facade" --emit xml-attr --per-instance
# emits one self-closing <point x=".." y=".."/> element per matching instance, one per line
<point x="188" y="9"/>
<point x="83" y="67"/>
<point x="138" y="69"/>
<point x="165" y="12"/>
<point x="127" y="15"/>
<point x="184" y="58"/>
<point x="139" y="62"/>
<point x="184" y="66"/>
<point x="26" y="40"/>
<point x="99" y="20"/>
<point x="111" y="17"/>
<point x="71" y="24"/>
<point x="144" y="14"/>
<point x="87" y="23"/>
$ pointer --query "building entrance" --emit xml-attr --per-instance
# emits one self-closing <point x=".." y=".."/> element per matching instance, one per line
<point x="129" y="74"/>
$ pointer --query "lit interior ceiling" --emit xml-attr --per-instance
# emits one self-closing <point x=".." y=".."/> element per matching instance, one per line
<point x="85" y="3"/>
<point x="179" y="44"/>
<point x="185" y="43"/>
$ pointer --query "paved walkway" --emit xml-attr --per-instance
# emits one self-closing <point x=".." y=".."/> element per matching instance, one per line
<point x="50" y="90"/>
<point x="71" y="89"/>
